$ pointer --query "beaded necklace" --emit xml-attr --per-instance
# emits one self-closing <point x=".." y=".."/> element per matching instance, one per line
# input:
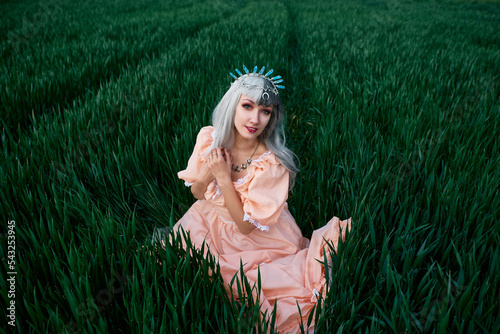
<point x="247" y="162"/>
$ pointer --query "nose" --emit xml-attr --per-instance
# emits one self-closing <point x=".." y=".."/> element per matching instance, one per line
<point x="255" y="119"/>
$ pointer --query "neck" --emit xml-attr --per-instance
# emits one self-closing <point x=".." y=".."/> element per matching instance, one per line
<point x="244" y="145"/>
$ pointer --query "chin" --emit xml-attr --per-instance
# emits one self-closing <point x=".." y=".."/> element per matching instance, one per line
<point x="251" y="137"/>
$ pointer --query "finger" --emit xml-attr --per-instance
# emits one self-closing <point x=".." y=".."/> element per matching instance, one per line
<point x="219" y="152"/>
<point x="229" y="158"/>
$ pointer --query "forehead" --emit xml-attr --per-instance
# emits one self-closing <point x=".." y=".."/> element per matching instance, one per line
<point x="244" y="97"/>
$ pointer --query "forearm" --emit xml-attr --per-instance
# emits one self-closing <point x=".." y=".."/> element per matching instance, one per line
<point x="199" y="188"/>
<point x="234" y="206"/>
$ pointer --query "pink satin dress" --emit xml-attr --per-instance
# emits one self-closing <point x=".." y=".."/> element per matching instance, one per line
<point x="289" y="270"/>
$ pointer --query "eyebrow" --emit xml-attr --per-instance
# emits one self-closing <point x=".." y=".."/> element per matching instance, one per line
<point x="252" y="101"/>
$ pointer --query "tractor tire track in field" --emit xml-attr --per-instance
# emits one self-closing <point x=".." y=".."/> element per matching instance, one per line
<point x="299" y="122"/>
<point x="307" y="112"/>
<point x="46" y="81"/>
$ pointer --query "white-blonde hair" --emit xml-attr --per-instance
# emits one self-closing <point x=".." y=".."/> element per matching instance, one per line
<point x="273" y="136"/>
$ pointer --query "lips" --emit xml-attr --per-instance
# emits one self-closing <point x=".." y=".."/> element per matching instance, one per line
<point x="251" y="130"/>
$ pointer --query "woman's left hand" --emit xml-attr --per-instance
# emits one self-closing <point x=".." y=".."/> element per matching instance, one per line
<point x="219" y="163"/>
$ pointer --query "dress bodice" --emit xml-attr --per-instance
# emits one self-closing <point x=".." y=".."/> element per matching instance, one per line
<point x="263" y="190"/>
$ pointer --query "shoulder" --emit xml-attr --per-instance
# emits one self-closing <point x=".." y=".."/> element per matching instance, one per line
<point x="206" y="132"/>
<point x="267" y="165"/>
<point x="267" y="177"/>
<point x="204" y="139"/>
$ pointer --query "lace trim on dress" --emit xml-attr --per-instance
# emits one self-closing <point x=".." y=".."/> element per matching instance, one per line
<point x="226" y="221"/>
<point x="188" y="184"/>
<point x="246" y="218"/>
<point x="263" y="155"/>
<point x="217" y="192"/>
<point x="241" y="180"/>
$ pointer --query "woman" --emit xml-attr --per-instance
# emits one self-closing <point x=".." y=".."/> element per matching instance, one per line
<point x="240" y="171"/>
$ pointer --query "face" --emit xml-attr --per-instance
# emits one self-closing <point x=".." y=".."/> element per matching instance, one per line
<point x="251" y="119"/>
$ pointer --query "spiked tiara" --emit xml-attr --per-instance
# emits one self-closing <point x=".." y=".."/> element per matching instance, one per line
<point x="274" y="80"/>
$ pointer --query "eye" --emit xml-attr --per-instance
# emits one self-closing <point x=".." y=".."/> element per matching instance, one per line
<point x="247" y="106"/>
<point x="266" y="112"/>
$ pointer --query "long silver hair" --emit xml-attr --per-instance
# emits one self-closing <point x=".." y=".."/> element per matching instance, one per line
<point x="274" y="134"/>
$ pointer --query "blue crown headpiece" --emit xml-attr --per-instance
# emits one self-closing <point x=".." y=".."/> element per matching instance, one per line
<point x="274" y="80"/>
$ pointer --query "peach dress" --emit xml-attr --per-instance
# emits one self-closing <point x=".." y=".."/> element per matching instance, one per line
<point x="289" y="270"/>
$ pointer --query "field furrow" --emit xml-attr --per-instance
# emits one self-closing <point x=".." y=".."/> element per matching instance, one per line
<point x="43" y="72"/>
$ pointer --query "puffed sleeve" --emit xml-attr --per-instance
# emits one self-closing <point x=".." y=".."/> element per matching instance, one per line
<point x="266" y="196"/>
<point x="203" y="142"/>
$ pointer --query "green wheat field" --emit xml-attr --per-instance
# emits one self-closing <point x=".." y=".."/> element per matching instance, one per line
<point x="393" y="112"/>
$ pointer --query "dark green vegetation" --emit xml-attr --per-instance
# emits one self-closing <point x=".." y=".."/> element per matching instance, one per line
<point x="393" y="111"/>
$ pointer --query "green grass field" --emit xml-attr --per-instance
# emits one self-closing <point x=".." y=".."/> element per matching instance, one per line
<point x="392" y="109"/>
